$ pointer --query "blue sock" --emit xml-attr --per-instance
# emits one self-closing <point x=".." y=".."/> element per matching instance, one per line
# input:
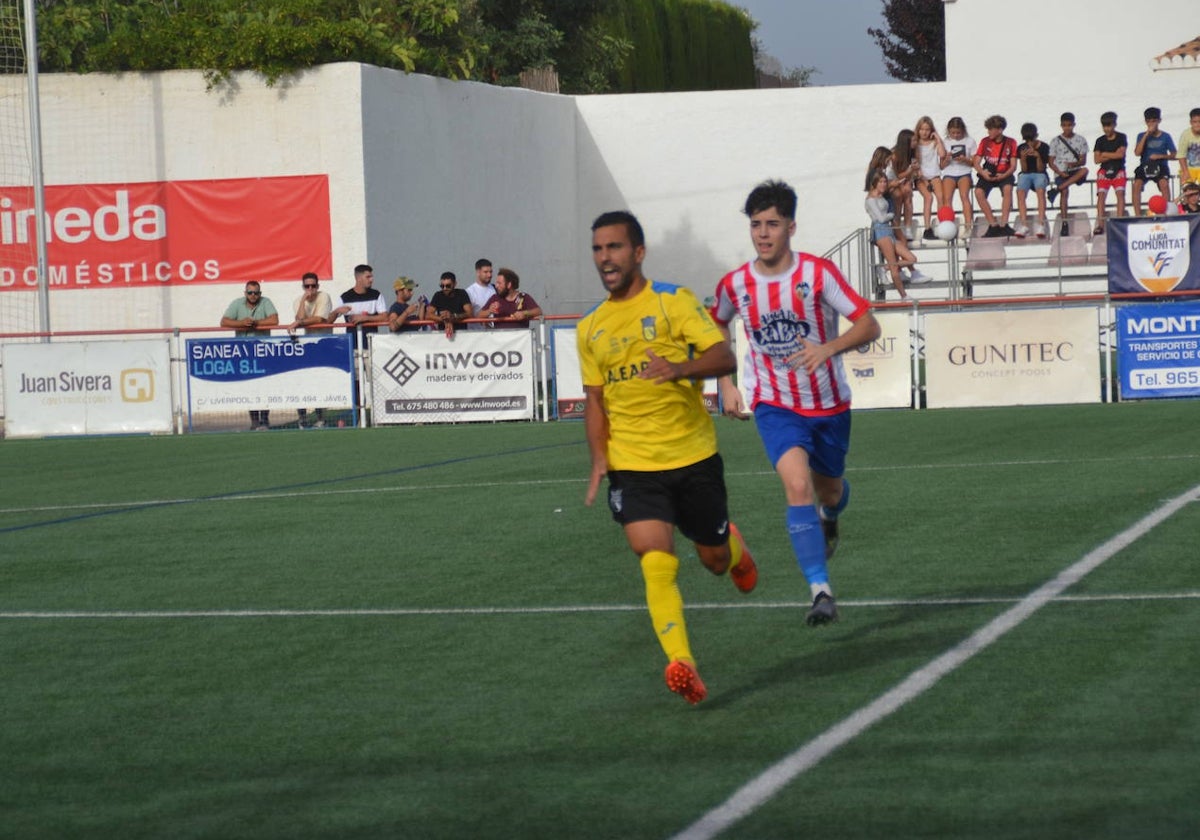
<point x="808" y="542"/>
<point x="832" y="513"/>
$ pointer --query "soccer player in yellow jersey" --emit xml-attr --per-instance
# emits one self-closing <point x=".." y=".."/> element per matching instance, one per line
<point x="644" y="353"/>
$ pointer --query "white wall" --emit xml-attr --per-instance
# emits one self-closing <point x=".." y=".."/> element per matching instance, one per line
<point x="1068" y="45"/>
<point x="427" y="174"/>
<point x="101" y="128"/>
<point x="461" y="170"/>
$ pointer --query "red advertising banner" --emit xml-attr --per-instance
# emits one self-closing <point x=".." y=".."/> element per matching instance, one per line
<point x="169" y="233"/>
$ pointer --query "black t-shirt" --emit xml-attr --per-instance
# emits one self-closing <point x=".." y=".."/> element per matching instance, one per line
<point x="454" y="301"/>
<point x="1103" y="144"/>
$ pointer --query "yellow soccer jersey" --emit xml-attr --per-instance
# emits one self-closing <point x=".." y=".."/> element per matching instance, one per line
<point x="651" y="427"/>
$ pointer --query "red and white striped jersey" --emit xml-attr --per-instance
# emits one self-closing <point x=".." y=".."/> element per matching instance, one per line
<point x="779" y="311"/>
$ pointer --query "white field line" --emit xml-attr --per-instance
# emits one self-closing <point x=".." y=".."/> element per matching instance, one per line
<point x="402" y="612"/>
<point x="409" y="488"/>
<point x="762" y="788"/>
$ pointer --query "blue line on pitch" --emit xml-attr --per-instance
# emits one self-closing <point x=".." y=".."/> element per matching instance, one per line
<point x="280" y="488"/>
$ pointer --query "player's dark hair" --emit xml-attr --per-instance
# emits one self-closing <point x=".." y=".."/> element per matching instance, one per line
<point x="1152" y="113"/>
<point x="770" y="194"/>
<point x="995" y="121"/>
<point x="1028" y="131"/>
<point x="362" y="268"/>
<point x="1108" y="118"/>
<point x="482" y="262"/>
<point x="449" y="275"/>
<point x="310" y="275"/>
<point x="511" y="276"/>
<point x="1067" y="116"/>
<point x="637" y="237"/>
<point x="1195" y="112"/>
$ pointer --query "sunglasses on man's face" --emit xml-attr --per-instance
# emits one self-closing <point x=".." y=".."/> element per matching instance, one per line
<point x="447" y="285"/>
<point x="253" y="293"/>
<point x="310" y="285"/>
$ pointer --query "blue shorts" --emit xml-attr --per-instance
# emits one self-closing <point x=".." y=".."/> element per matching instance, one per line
<point x="881" y="230"/>
<point x="1027" y="181"/>
<point x="826" y="439"/>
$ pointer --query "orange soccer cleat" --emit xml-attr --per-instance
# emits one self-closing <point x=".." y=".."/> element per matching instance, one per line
<point x="683" y="679"/>
<point x="745" y="573"/>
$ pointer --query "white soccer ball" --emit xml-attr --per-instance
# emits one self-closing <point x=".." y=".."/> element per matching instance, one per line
<point x="947" y="230"/>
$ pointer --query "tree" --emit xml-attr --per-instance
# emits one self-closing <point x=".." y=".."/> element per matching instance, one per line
<point x="914" y="42"/>
<point x="273" y="37"/>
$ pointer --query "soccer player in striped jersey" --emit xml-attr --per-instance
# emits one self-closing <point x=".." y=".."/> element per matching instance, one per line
<point x="789" y="303"/>
<point x="644" y="353"/>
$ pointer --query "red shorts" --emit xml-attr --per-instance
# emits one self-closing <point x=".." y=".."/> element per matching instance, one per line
<point x="1116" y="182"/>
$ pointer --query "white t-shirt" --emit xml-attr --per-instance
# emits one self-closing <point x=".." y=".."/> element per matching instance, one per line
<point x="964" y="145"/>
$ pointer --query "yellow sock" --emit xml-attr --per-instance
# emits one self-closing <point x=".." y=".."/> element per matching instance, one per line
<point x="666" y="604"/>
<point x="735" y="550"/>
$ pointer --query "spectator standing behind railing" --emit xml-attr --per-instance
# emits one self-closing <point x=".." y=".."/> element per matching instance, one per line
<point x="481" y="291"/>
<point x="311" y="308"/>
<point x="1189" y="149"/>
<point x="450" y="305"/>
<point x="510" y="307"/>
<point x="957" y="171"/>
<point x="994" y="165"/>
<point x="1155" y="150"/>
<point x="1109" y="154"/>
<point x="1068" y="159"/>
<point x="1034" y="157"/>
<point x="246" y="315"/>
<point x="362" y="304"/>
<point x="405" y="310"/>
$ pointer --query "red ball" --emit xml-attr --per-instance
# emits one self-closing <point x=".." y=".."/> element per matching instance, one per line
<point x="1157" y="204"/>
<point x="945" y="214"/>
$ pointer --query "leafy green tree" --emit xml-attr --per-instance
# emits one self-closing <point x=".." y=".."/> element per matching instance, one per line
<point x="274" y="37"/>
<point x="914" y="42"/>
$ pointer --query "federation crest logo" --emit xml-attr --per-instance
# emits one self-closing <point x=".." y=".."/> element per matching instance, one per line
<point x="649" y="330"/>
<point x="1158" y="255"/>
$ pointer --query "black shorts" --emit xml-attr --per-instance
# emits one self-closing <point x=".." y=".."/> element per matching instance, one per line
<point x="691" y="498"/>
<point x="988" y="186"/>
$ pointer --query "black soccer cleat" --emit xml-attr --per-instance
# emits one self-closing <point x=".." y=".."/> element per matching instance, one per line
<point x="823" y="610"/>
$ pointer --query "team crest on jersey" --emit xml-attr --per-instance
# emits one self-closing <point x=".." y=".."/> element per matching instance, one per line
<point x="803" y="289"/>
<point x="649" y="330"/>
<point x="780" y="332"/>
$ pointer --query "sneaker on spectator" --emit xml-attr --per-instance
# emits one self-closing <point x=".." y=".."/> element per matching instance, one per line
<point x="994" y="232"/>
<point x="1021" y="232"/>
<point x="929" y="234"/>
<point x="1006" y="230"/>
<point x="916" y="276"/>
<point x="683" y="679"/>
<point x="1099" y="228"/>
<point x="1051" y="194"/>
<point x="1039" y="229"/>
